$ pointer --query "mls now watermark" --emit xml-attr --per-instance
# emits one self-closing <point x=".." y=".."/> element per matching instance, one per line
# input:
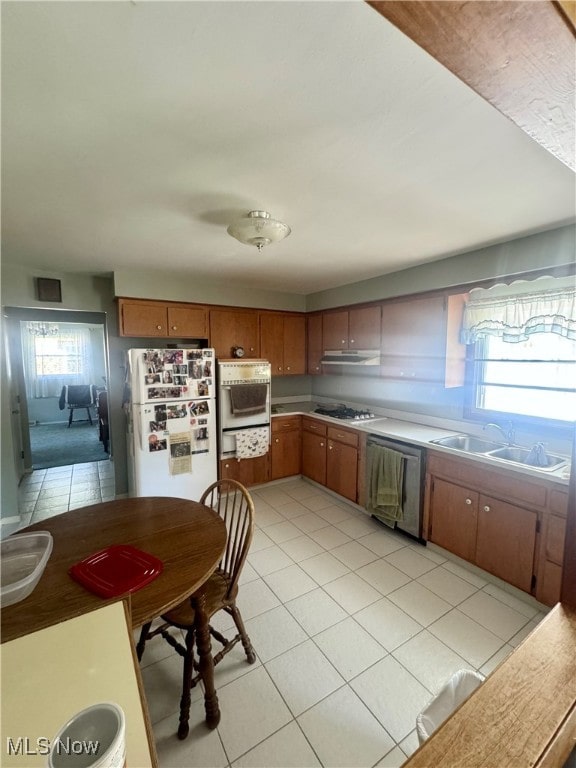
<point x="23" y="745"/>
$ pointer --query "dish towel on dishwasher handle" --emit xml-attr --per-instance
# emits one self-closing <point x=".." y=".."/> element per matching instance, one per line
<point x="251" y="443"/>
<point x="385" y="481"/>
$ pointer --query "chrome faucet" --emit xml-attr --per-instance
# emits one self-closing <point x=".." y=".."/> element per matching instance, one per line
<point x="509" y="433"/>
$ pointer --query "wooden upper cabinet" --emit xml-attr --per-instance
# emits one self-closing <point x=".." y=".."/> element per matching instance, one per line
<point x="294" y="344"/>
<point x="335" y="330"/>
<point x="355" y="328"/>
<point x="420" y="340"/>
<point x="142" y="318"/>
<point x="189" y="322"/>
<point x="231" y="328"/>
<point x="160" y="319"/>
<point x="283" y="342"/>
<point x="315" y="346"/>
<point x="364" y="327"/>
<point x="272" y="340"/>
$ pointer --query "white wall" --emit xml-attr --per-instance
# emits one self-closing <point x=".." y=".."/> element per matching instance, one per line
<point x="527" y="254"/>
<point x="187" y="287"/>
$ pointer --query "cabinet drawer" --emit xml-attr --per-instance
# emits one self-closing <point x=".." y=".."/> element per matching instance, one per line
<point x="313" y="425"/>
<point x="343" y="436"/>
<point x="284" y="423"/>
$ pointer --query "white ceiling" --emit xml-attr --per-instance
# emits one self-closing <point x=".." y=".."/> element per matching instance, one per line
<point x="134" y="132"/>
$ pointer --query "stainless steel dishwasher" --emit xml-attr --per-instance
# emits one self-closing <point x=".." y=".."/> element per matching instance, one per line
<point x="413" y="485"/>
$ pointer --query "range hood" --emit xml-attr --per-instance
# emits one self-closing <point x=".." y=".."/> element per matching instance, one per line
<point x="351" y="357"/>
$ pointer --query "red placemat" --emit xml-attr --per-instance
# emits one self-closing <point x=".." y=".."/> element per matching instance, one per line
<point x="116" y="570"/>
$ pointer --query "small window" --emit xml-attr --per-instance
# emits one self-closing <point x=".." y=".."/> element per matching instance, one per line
<point x="58" y="355"/>
<point x="534" y="379"/>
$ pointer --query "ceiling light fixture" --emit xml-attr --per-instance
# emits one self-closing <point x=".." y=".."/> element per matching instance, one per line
<point x="42" y="329"/>
<point x="259" y="229"/>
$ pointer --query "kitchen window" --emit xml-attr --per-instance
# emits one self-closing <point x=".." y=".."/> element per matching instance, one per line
<point x="522" y="352"/>
<point x="62" y="356"/>
<point x="533" y="379"/>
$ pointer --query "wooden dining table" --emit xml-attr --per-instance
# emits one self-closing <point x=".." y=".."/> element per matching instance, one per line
<point x="188" y="537"/>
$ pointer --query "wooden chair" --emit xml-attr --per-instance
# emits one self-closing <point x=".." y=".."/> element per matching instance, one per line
<point x="74" y="396"/>
<point x="103" y="425"/>
<point x="233" y="503"/>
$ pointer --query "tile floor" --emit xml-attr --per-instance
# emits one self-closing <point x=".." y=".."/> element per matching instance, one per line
<point x="47" y="492"/>
<point x="355" y="628"/>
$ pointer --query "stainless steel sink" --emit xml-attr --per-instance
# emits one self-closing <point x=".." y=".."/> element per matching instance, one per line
<point x="512" y="453"/>
<point x="519" y="455"/>
<point x="467" y="443"/>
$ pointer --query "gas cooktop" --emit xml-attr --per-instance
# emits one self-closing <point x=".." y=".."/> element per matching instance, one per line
<point x="344" y="413"/>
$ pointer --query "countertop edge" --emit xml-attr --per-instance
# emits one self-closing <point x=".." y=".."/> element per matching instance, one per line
<point x="408" y="432"/>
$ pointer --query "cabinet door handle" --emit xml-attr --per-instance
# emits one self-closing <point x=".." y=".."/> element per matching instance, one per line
<point x="468" y="501"/>
<point x="343" y="341"/>
<point x="321" y="445"/>
<point x="351" y="341"/>
<point x="486" y="508"/>
<point x="174" y="327"/>
<point x="277" y="440"/>
<point x="330" y="447"/>
<point x="251" y="349"/>
<point x="158" y="327"/>
<point x="279" y="367"/>
<point x="287" y="367"/>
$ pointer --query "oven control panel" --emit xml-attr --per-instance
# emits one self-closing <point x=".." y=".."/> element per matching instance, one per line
<point x="244" y="372"/>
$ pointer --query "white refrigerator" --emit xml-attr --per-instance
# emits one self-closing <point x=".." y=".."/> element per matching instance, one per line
<point x="171" y="431"/>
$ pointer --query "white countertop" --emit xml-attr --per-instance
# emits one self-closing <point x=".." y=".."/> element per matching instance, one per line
<point x="417" y="434"/>
<point x="49" y="675"/>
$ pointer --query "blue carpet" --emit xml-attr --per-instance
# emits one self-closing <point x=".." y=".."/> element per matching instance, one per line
<point x="57" y="445"/>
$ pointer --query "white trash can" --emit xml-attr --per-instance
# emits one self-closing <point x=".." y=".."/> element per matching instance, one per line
<point x="448" y="698"/>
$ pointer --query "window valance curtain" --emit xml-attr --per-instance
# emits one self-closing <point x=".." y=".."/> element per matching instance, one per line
<point x="515" y="317"/>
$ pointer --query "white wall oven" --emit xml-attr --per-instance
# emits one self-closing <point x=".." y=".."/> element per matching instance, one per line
<point x="243" y="408"/>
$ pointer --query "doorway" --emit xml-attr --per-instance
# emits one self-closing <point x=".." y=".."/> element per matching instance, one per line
<point x="54" y="447"/>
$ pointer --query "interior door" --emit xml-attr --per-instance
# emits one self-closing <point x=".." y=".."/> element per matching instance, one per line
<point x="19" y="414"/>
<point x="17" y="401"/>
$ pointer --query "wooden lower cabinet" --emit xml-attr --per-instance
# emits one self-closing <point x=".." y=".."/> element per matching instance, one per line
<point x="507" y="524"/>
<point x="247" y="471"/>
<point x="286" y="447"/>
<point x="454" y="518"/>
<point x="506" y="541"/>
<point x="330" y="456"/>
<point x="314" y="456"/>
<point x="552" y="552"/>
<point x="342" y="462"/>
